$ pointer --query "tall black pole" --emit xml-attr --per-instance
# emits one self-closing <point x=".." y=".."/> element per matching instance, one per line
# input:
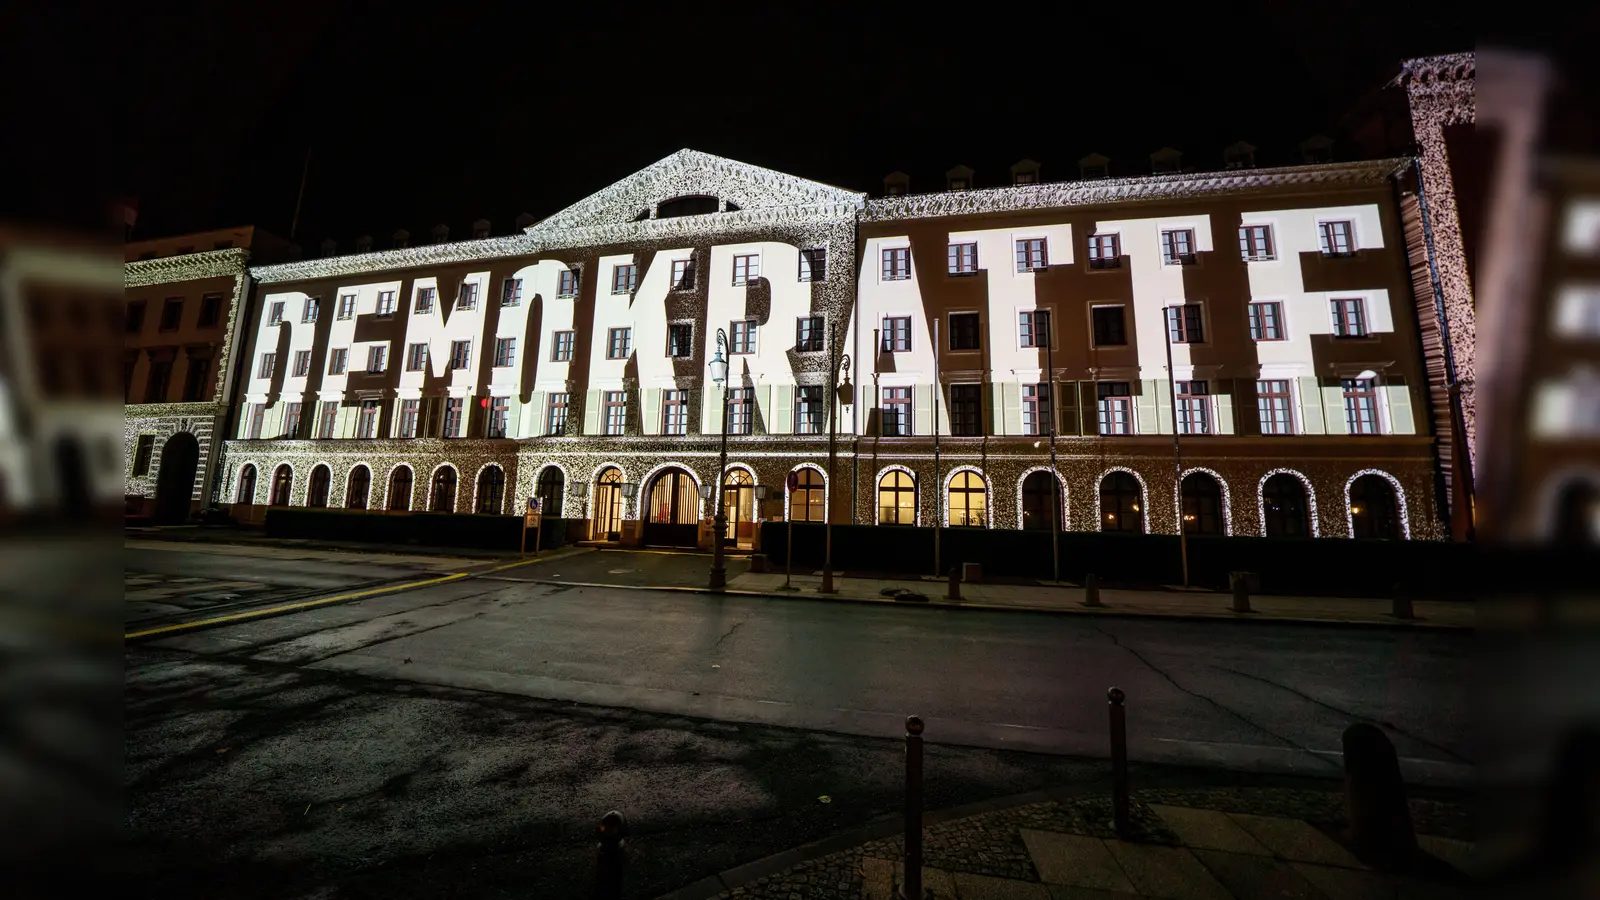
<point x="1177" y="455"/>
<point x="1055" y="473"/>
<point x="719" y="572"/>
<point x="938" y="489"/>
<point x="827" y="508"/>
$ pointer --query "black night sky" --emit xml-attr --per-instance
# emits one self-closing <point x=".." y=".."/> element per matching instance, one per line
<point x="416" y="115"/>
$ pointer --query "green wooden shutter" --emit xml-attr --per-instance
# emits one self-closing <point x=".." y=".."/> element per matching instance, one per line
<point x="1310" y="406"/>
<point x="651" y="408"/>
<point x="782" y="420"/>
<point x="1144" y="407"/>
<point x="1333" y="407"/>
<point x="591" y="412"/>
<point x="537" y="422"/>
<point x="1225" y="422"/>
<point x="922" y="415"/>
<point x="1400" y="420"/>
<point x="1011" y="406"/>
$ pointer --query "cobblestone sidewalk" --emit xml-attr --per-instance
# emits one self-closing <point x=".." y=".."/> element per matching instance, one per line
<point x="1206" y="845"/>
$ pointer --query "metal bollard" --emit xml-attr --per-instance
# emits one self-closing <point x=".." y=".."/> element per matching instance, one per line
<point x="955" y="584"/>
<point x="1091" y="590"/>
<point x="1119" y="763"/>
<point x="1402" y="602"/>
<point x="1241" y="593"/>
<point x="611" y="857"/>
<point x="913" y="860"/>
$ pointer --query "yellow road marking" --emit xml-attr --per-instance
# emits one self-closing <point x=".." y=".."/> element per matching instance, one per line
<point x="304" y="604"/>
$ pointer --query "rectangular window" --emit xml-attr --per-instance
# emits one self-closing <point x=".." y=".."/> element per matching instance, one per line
<point x="966" y="410"/>
<point x="897" y="264"/>
<point x="1105" y="251"/>
<point x="1109" y="328"/>
<point x="274" y="315"/>
<point x="258" y="416"/>
<point x="1177" y="247"/>
<point x="210" y="310"/>
<point x="386" y="305"/>
<point x="337" y="359"/>
<point x="964" y="331"/>
<point x="1266" y="321"/>
<point x="1194" y="407"/>
<point x="1031" y="255"/>
<point x="425" y="298"/>
<point x="468" y="298"/>
<point x="1360" y="406"/>
<point x="814" y="264"/>
<point x="808" y="409"/>
<point x="742" y="336"/>
<point x="555" y="417"/>
<point x="453" y="408"/>
<point x="808" y="334"/>
<point x="682" y="274"/>
<point x="291" y="421"/>
<point x="897" y="334"/>
<point x="194" y="379"/>
<point x="1349" y="319"/>
<point x="302" y="363"/>
<point x="1185" y="325"/>
<point x="155" y="389"/>
<point x="367" y="420"/>
<point x="416" y="357"/>
<point x="746" y="268"/>
<point x="616" y="409"/>
<point x="135" y="320"/>
<point x="269" y="361"/>
<point x="561" y="346"/>
<point x="330" y="419"/>
<point x="505" y="351"/>
<point x="567" y="284"/>
<point x="347" y="306"/>
<point x="963" y="259"/>
<point x="1037" y="414"/>
<point x="680" y="340"/>
<point x="740" y="403"/>
<point x="408" y="418"/>
<point x="1338" y="238"/>
<point x="172" y="313"/>
<point x="1274" y="404"/>
<point x="1255" y="243"/>
<point x="896" y="411"/>
<point x="1033" y="328"/>
<point x="308" y="313"/>
<point x="376" y="358"/>
<point x="674" y="412"/>
<point x="460" y="354"/>
<point x="624" y="279"/>
<point x="619" y="341"/>
<point x="141" y="454"/>
<point x="511" y="292"/>
<point x="499" y="416"/>
<point x="1116" y="407"/>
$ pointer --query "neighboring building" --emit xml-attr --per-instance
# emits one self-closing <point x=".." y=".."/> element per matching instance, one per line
<point x="181" y="325"/>
<point x="570" y="362"/>
<point x="60" y="315"/>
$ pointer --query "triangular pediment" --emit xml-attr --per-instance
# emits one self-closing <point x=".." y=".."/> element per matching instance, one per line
<point x="692" y="174"/>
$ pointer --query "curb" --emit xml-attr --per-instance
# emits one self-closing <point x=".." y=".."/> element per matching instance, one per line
<point x="1251" y="618"/>
<point x="876" y="829"/>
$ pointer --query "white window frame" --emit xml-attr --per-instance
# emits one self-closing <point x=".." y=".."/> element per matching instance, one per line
<point x="752" y="272"/>
<point x="883" y="269"/>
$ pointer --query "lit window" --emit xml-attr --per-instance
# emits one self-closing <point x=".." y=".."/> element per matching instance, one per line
<point x="505" y="351"/>
<point x="742" y="336"/>
<point x="1105" y="251"/>
<point x="1194" y="407"/>
<point x="897" y="499"/>
<point x="616" y="412"/>
<point x="567" y="284"/>
<point x="1338" y="238"/>
<point x="814" y="264"/>
<point x="1184" y="324"/>
<point x="1116" y="407"/>
<point x="1255" y="243"/>
<point x="624" y="279"/>
<point x="682" y="274"/>
<point x="963" y="259"/>
<point x="746" y="268"/>
<point x="968" y="500"/>
<point x="1275" y="405"/>
<point x="561" y="346"/>
<point x="1360" y="406"/>
<point x="897" y="264"/>
<point x="808" y="410"/>
<point x="460" y="354"/>
<point x="896" y="411"/>
<point x="808" y="334"/>
<point x="619" y="342"/>
<point x="1036" y="411"/>
<point x="897" y="334"/>
<point x="1177" y="247"/>
<point x="674" y="412"/>
<point x="1031" y="255"/>
<point x="1349" y="318"/>
<point x="1266" y="321"/>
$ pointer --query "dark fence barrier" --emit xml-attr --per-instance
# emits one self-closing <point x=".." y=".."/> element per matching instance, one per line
<point x="422" y="529"/>
<point x="1308" y="566"/>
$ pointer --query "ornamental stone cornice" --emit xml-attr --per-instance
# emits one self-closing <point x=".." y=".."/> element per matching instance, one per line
<point x="389" y="260"/>
<point x="164" y="410"/>
<point x="1114" y="190"/>
<point x="1433" y="69"/>
<point x="188" y="267"/>
<point x="690" y="228"/>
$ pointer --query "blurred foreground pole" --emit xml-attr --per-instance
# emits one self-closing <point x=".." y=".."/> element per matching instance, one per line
<point x="1119" y="762"/>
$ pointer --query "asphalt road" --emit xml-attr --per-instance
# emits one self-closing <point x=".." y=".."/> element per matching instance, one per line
<point x="474" y="729"/>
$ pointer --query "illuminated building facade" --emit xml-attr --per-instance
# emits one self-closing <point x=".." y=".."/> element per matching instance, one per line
<point x="570" y="361"/>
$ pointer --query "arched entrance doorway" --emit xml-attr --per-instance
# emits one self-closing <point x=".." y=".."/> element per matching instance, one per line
<point x="606" y="521"/>
<point x="672" y="509"/>
<point x="1202" y="504"/>
<point x="1119" y="504"/>
<point x="72" y="478"/>
<point x="1041" y="502"/>
<point x="180" y="457"/>
<point x="552" y="488"/>
<point x="282" y="484"/>
<point x="739" y="498"/>
<point x="1284" y="508"/>
<point x="1374" y="512"/>
<point x="317" y="489"/>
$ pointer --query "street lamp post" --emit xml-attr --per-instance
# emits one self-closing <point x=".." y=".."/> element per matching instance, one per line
<point x="1055" y="472"/>
<point x="833" y="437"/>
<point x="719" y="376"/>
